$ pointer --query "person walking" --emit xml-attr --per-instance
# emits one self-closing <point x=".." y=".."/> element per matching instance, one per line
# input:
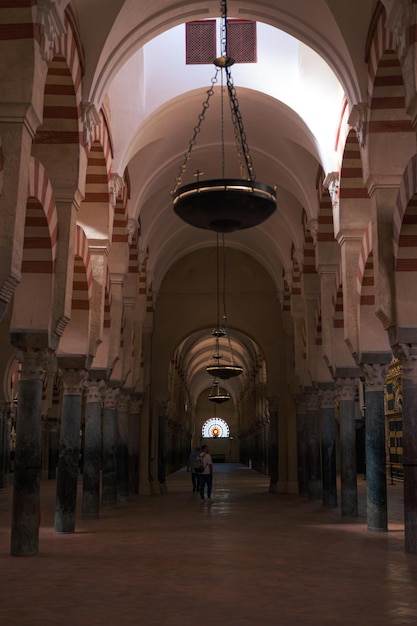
<point x="190" y="468"/>
<point x="206" y="477"/>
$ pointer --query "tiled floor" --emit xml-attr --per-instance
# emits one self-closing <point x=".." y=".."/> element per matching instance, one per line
<point x="249" y="558"/>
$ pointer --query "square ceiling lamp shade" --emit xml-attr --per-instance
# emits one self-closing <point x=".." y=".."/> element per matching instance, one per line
<point x="224" y="204"/>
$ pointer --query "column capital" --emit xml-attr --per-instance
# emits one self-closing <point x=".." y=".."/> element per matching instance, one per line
<point x="74" y="381"/>
<point x="301" y="403"/>
<point x="407" y="355"/>
<point x="123" y="402"/>
<point x="327" y="398"/>
<point x="110" y="397"/>
<point x="94" y="389"/>
<point x="34" y="363"/>
<point x="313" y="401"/>
<point x="346" y="388"/>
<point x="374" y="374"/>
<point x="136" y="402"/>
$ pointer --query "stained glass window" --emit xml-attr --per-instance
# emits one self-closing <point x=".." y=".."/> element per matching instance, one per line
<point x="215" y="427"/>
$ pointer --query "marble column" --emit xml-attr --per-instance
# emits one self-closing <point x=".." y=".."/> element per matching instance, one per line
<point x="273" y="443"/>
<point x="122" y="447"/>
<point x="133" y="444"/>
<point x="28" y="453"/>
<point x="69" y="450"/>
<point x="328" y="446"/>
<point x="376" y="474"/>
<point x="109" y="453"/>
<point x="92" y="449"/>
<point x="407" y="353"/>
<point x="346" y="393"/>
<point x="315" y="489"/>
<point x="302" y="472"/>
<point x="53" y="446"/>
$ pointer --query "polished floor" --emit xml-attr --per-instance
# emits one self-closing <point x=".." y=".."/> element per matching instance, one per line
<point x="250" y="558"/>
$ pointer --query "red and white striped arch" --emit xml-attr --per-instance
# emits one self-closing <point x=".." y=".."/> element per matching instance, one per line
<point x="405" y="221"/>
<point x="386" y="94"/>
<point x="83" y="277"/>
<point x="364" y="281"/>
<point x="41" y="224"/>
<point x="62" y="112"/>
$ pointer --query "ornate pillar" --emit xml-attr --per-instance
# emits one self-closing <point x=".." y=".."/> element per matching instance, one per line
<point x="133" y="443"/>
<point x="346" y="393"/>
<point x="301" y="405"/>
<point x="162" y="427"/>
<point x="92" y="449"/>
<point x="28" y="453"/>
<point x="122" y="446"/>
<point x="376" y="478"/>
<point x="69" y="450"/>
<point x="328" y="446"/>
<point x="52" y="447"/>
<point x="109" y="454"/>
<point x="315" y="490"/>
<point x="273" y="443"/>
<point x="407" y="353"/>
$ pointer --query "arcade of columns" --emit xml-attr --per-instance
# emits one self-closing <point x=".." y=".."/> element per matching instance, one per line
<point x="77" y="307"/>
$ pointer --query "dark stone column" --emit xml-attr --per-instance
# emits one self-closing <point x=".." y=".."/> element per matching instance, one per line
<point x="346" y="392"/>
<point x="109" y="453"/>
<point x="301" y="404"/>
<point x="328" y="446"/>
<point x="273" y="443"/>
<point x="52" y="447"/>
<point x="376" y="474"/>
<point x="92" y="450"/>
<point x="69" y="450"/>
<point x="407" y="353"/>
<point x="315" y="490"/>
<point x="28" y="453"/>
<point x="162" y="426"/>
<point x="122" y="447"/>
<point x="133" y="444"/>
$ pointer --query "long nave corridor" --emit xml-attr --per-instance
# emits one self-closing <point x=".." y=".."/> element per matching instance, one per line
<point x="171" y="560"/>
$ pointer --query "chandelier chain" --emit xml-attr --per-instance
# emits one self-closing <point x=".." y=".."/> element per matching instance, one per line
<point x="196" y="131"/>
<point x="240" y="135"/>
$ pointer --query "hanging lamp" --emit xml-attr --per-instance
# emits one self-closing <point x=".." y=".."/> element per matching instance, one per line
<point x="224" y="204"/>
<point x="217" y="367"/>
<point x="217" y="395"/>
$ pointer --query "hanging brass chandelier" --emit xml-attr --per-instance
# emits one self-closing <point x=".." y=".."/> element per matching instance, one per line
<point x="224" y="204"/>
<point x="217" y="395"/>
<point x="219" y="366"/>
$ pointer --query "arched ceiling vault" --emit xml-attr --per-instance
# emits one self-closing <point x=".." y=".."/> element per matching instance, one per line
<point x="195" y="354"/>
<point x="134" y="57"/>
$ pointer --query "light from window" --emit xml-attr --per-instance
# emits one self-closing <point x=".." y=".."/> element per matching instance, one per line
<point x="214" y="428"/>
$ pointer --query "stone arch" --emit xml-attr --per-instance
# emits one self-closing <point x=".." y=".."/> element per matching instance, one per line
<point x="75" y="339"/>
<point x="96" y="215"/>
<point x="405" y="256"/>
<point x="62" y="114"/>
<point x="38" y="255"/>
<point x="342" y="357"/>
<point x="373" y="339"/>
<point x="389" y="128"/>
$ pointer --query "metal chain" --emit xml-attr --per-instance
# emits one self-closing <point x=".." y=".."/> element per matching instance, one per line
<point x="240" y="135"/>
<point x="197" y="129"/>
